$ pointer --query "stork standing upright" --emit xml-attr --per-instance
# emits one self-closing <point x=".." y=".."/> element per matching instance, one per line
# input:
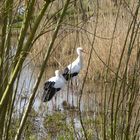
<point x="74" y="68"/>
<point x="52" y="86"/>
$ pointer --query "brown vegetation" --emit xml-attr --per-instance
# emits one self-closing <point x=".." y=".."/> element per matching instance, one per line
<point x="109" y="82"/>
<point x="77" y="33"/>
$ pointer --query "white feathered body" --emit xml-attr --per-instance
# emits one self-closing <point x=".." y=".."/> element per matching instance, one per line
<point x="52" y="86"/>
<point x="76" y="66"/>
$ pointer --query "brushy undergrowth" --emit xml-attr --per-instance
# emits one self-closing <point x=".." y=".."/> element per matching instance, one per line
<point x="110" y="92"/>
<point x="78" y="33"/>
<point x="113" y="70"/>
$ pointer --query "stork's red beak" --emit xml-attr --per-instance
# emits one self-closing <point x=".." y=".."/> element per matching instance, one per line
<point x="84" y="51"/>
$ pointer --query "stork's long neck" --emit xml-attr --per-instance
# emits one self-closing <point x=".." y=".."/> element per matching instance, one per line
<point x="80" y="58"/>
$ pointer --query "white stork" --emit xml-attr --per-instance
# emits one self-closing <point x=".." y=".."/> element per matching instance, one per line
<point x="52" y="86"/>
<point x="74" y="68"/>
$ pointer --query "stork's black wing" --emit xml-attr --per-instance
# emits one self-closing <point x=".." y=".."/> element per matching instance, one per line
<point x="49" y="91"/>
<point x="67" y="75"/>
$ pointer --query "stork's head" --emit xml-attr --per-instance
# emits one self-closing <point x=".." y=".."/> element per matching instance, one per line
<point x="80" y="50"/>
<point x="57" y="72"/>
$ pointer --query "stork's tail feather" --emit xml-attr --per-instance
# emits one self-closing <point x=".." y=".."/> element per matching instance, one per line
<point x="44" y="96"/>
